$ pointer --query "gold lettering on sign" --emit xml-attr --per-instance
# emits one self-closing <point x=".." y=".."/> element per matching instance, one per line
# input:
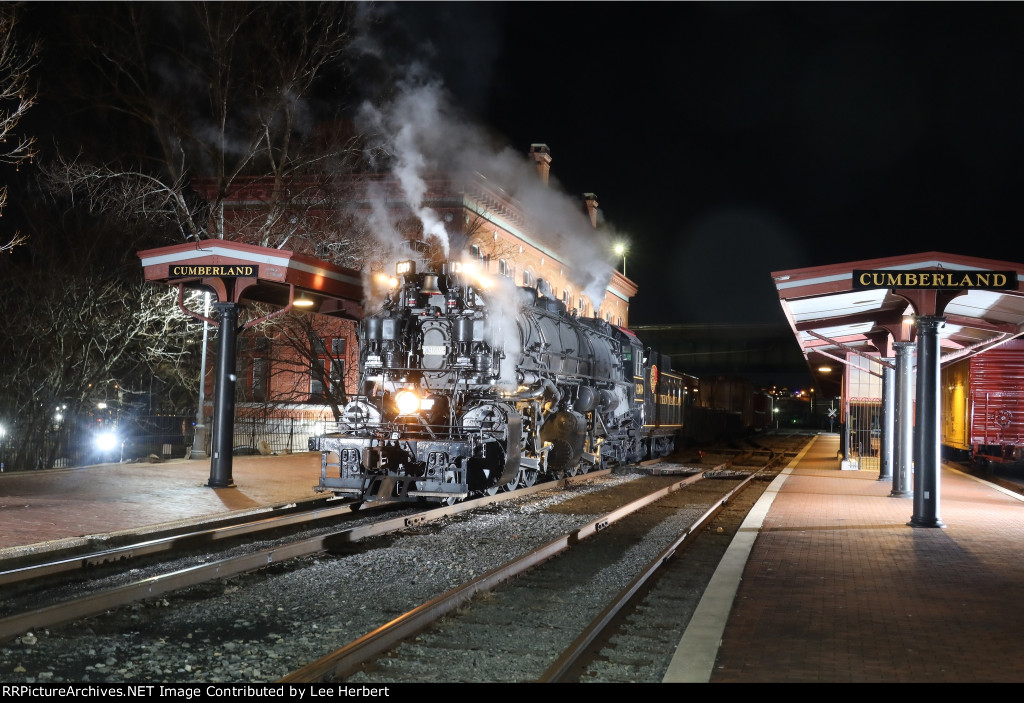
<point x="224" y="271"/>
<point x="945" y="280"/>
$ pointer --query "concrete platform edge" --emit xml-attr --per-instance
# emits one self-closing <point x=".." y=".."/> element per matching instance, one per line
<point x="694" y="658"/>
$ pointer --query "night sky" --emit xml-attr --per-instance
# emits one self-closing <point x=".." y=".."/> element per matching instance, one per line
<point x="730" y="140"/>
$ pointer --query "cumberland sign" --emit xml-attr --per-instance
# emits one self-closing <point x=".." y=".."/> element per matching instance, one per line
<point x="944" y="280"/>
<point x="233" y="271"/>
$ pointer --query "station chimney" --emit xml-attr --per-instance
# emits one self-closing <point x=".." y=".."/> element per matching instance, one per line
<point x="542" y="157"/>
<point x="590" y="208"/>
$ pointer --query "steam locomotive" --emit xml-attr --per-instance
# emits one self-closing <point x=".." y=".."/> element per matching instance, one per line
<point x="468" y="386"/>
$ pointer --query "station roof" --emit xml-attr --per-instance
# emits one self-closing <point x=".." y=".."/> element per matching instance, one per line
<point x="276" y="276"/>
<point x="832" y="312"/>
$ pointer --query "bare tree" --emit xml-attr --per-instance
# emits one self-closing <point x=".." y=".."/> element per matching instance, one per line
<point x="225" y="96"/>
<point x="16" y="97"/>
<point x="89" y="339"/>
<point x="307" y="362"/>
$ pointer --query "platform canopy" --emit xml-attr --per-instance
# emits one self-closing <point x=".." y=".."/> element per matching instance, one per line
<point x="864" y="307"/>
<point x="237" y="272"/>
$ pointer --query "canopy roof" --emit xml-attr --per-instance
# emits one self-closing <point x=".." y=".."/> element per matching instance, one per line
<point x="236" y="271"/>
<point x="832" y="312"/>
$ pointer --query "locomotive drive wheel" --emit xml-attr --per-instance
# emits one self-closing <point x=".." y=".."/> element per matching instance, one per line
<point x="449" y="477"/>
<point x="527" y="477"/>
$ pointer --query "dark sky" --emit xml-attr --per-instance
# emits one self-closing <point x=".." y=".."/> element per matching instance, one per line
<point x="730" y="140"/>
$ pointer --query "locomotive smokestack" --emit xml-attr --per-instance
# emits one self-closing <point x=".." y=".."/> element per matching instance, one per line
<point x="590" y="208"/>
<point x="542" y="157"/>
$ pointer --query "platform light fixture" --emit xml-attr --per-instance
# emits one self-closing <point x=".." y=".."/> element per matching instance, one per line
<point x="620" y="250"/>
<point x="303" y="302"/>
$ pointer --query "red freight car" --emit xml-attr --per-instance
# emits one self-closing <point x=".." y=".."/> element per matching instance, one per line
<point x="983" y="405"/>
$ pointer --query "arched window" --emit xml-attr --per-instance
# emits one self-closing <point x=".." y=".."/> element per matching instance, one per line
<point x="503" y="268"/>
<point x="527" y="279"/>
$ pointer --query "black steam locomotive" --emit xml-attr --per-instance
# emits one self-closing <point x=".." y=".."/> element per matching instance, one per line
<point x="468" y="388"/>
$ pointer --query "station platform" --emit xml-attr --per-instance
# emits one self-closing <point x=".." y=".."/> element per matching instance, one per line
<point x="63" y="508"/>
<point x="827" y="582"/>
<point x="824" y="582"/>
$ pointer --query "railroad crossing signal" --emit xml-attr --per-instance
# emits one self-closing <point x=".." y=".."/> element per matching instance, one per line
<point x="832" y="412"/>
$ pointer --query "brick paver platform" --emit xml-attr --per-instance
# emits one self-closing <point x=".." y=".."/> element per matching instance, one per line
<point x="62" y="505"/>
<point x="838" y="588"/>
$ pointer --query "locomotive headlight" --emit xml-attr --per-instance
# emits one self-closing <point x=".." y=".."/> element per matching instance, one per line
<point x="407" y="401"/>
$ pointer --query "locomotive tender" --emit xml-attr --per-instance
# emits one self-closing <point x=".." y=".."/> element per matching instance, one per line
<point x="468" y="386"/>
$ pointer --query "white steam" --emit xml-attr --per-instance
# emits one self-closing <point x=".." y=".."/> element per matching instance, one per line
<point x="419" y="134"/>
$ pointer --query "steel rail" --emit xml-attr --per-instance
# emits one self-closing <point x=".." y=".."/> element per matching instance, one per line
<point x="574" y="652"/>
<point x="90" y="605"/>
<point x="184" y="540"/>
<point x="351" y="657"/>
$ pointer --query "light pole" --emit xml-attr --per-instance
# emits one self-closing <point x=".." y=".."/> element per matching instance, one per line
<point x="620" y="250"/>
<point x="202" y="432"/>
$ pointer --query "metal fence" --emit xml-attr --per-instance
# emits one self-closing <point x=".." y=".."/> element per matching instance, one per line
<point x="865" y="428"/>
<point x="164" y="437"/>
<point x="275" y="435"/>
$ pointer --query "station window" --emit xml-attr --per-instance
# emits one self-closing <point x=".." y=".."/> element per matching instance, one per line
<point x="337" y="374"/>
<point x="503" y="267"/>
<point x="527" y="279"/>
<point x="316" y="375"/>
<point x="260" y="378"/>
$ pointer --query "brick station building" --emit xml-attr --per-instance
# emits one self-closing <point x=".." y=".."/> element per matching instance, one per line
<point x="483" y="223"/>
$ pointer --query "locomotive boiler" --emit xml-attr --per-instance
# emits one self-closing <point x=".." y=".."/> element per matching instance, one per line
<point x="468" y="386"/>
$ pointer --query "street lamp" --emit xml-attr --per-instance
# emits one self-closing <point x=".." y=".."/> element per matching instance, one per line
<point x="620" y="250"/>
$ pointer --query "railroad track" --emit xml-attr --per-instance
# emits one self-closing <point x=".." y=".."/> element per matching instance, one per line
<point x="549" y="621"/>
<point x="264" y="624"/>
<point x="68" y="593"/>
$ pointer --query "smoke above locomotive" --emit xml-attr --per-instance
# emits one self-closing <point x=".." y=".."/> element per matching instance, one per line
<point x="470" y="384"/>
<point x="419" y="136"/>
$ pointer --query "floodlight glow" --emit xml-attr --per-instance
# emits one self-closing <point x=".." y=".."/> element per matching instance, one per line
<point x="106" y="441"/>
